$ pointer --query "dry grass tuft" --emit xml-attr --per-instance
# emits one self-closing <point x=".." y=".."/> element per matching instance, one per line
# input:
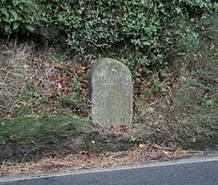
<point x="14" y="75"/>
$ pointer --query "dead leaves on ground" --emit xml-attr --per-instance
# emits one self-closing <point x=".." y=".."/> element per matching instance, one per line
<point x="53" y="82"/>
<point x="143" y="153"/>
<point x="119" y="128"/>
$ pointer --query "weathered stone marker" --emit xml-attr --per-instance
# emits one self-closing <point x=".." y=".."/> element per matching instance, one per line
<point x="111" y="90"/>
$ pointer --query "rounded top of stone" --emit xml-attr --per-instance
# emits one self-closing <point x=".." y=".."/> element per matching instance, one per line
<point x="105" y="66"/>
<point x="110" y="62"/>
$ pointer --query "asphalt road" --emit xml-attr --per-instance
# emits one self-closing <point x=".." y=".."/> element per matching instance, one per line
<point x="190" y="172"/>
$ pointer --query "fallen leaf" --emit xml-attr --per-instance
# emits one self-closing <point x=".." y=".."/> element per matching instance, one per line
<point x="143" y="146"/>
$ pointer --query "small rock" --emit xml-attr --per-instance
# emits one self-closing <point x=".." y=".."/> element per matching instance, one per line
<point x="119" y="154"/>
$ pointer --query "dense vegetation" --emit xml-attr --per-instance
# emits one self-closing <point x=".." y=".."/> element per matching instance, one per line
<point x="151" y="30"/>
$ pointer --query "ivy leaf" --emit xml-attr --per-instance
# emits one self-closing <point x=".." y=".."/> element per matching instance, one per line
<point x="30" y="28"/>
<point x="15" y="25"/>
<point x="15" y="15"/>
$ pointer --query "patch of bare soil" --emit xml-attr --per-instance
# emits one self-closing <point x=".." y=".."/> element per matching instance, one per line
<point x="89" y="159"/>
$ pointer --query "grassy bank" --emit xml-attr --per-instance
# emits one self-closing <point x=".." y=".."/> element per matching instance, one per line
<point x="45" y="106"/>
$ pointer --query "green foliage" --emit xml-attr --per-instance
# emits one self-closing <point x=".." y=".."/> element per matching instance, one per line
<point x="149" y="30"/>
<point x="72" y="100"/>
<point x="158" y="84"/>
<point x="18" y="15"/>
<point x="33" y="94"/>
<point x="76" y="99"/>
<point x="135" y="140"/>
<point x="206" y="101"/>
